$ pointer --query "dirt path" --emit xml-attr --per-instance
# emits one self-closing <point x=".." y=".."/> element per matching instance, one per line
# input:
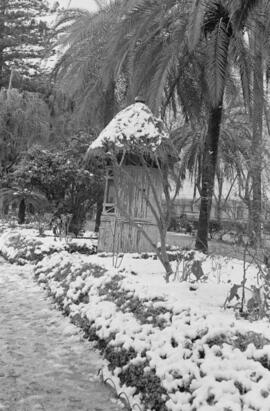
<point x="44" y="362"/>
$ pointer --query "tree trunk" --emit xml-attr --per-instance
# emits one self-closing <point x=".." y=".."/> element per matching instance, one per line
<point x="98" y="214"/>
<point x="1" y="68"/>
<point x="165" y="258"/>
<point x="21" y="212"/>
<point x="109" y="106"/>
<point x="3" y="18"/>
<point x="208" y="176"/>
<point x="219" y="199"/>
<point x="250" y="225"/>
<point x="257" y="125"/>
<point x="5" y="208"/>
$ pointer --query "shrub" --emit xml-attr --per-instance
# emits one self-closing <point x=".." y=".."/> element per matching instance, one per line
<point x="81" y="248"/>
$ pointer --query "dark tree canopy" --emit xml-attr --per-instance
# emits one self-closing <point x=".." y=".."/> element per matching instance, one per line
<point x="62" y="177"/>
<point x="24" y="35"/>
<point x="24" y="120"/>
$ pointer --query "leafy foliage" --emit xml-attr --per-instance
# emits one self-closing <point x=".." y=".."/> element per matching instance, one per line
<point x="22" y="250"/>
<point x="25" y="35"/>
<point x="233" y="154"/>
<point x="252" y="303"/>
<point x="16" y="195"/>
<point x="134" y="364"/>
<point x="186" y="68"/>
<point x="81" y="248"/>
<point x="84" y="36"/>
<point x="62" y="177"/>
<point x="24" y="119"/>
<point x="143" y="310"/>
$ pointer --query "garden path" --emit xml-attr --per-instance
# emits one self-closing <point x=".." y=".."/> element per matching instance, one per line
<point x="45" y="365"/>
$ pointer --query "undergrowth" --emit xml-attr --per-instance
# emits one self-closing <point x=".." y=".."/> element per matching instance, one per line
<point x="143" y="310"/>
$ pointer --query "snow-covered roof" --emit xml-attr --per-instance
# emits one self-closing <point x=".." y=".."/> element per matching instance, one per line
<point x="135" y="125"/>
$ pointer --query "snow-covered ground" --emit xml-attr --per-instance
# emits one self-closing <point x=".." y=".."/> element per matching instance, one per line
<point x="170" y="346"/>
<point x="44" y="362"/>
<point x="18" y="246"/>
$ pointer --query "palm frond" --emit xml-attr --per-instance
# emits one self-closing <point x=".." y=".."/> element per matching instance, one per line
<point x="217" y="60"/>
<point x="17" y="194"/>
<point x="243" y="59"/>
<point x="241" y="10"/>
<point x="196" y="20"/>
<point x="84" y="36"/>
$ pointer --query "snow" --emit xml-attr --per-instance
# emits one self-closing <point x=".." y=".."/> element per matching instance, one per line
<point x="45" y="362"/>
<point x="135" y="122"/>
<point x="206" y="368"/>
<point x="83" y="4"/>
<point x="42" y="245"/>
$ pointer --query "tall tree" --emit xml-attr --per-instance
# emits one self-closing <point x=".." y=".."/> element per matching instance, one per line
<point x="257" y="123"/>
<point x="24" y="119"/>
<point x="223" y="24"/>
<point x="260" y="44"/>
<point x="234" y="146"/>
<point x="83" y="36"/>
<point x="182" y="52"/>
<point x="24" y="36"/>
<point x="62" y="177"/>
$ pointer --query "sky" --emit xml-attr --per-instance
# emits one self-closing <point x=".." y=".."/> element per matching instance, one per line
<point x="85" y="4"/>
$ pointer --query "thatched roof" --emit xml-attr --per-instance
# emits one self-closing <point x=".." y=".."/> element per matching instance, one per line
<point x="134" y="129"/>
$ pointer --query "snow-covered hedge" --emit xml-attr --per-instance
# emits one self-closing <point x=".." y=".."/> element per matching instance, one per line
<point x="21" y="246"/>
<point x="169" y="347"/>
<point x="163" y="353"/>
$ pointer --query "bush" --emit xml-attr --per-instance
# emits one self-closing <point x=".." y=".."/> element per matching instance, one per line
<point x="67" y="295"/>
<point x="81" y="248"/>
<point x="21" y="249"/>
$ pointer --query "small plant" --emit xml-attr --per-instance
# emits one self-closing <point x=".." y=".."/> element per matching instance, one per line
<point x="252" y="302"/>
<point x="43" y="223"/>
<point x="117" y="259"/>
<point x="12" y="223"/>
<point x="191" y="267"/>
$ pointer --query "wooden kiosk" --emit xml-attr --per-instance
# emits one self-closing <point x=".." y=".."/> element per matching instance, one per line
<point x="133" y="132"/>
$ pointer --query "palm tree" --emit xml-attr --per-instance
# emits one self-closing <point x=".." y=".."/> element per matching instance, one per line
<point x="183" y="54"/>
<point x="259" y="40"/>
<point x="233" y="154"/>
<point x="83" y="36"/>
<point x="23" y="198"/>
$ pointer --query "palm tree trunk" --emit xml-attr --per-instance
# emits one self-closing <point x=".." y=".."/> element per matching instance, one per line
<point x="2" y="36"/>
<point x="208" y="176"/>
<point x="257" y="124"/>
<point x="109" y="106"/>
<point x="21" y="212"/>
<point x="2" y="82"/>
